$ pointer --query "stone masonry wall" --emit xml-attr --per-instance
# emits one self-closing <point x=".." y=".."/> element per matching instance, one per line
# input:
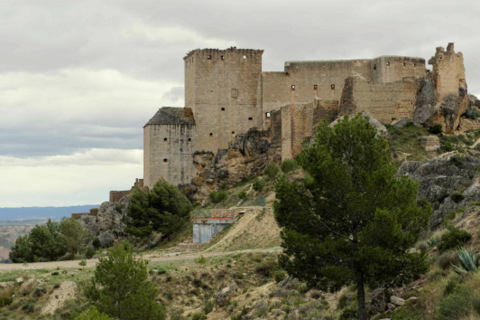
<point x="386" y="102"/>
<point x="221" y="88"/>
<point x="304" y="81"/>
<point x="168" y="153"/>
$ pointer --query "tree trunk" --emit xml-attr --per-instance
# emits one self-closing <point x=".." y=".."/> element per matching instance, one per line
<point x="362" y="312"/>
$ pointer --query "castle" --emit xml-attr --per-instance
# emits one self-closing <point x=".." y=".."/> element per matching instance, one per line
<point x="227" y="93"/>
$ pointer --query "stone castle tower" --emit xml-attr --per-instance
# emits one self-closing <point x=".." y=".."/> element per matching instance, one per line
<point x="221" y="89"/>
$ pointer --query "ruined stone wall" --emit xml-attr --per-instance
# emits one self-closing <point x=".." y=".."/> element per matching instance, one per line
<point x="221" y="88"/>
<point x="448" y="72"/>
<point x="297" y="124"/>
<point x="168" y="153"/>
<point x="386" y="102"/>
<point x="394" y="68"/>
<point x="304" y="81"/>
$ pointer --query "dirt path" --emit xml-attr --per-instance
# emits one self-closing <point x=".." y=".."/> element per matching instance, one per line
<point x="154" y="257"/>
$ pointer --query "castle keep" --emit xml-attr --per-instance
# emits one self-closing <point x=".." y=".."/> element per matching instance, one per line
<point x="226" y="94"/>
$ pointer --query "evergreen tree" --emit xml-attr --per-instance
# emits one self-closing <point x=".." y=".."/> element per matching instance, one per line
<point x="164" y="209"/>
<point x="350" y="221"/>
<point x="120" y="287"/>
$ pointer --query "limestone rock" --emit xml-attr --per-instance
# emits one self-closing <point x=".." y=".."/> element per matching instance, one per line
<point x="429" y="143"/>
<point x="379" y="299"/>
<point x="397" y="301"/>
<point x="109" y="223"/>
<point x="439" y="178"/>
<point x="224" y="295"/>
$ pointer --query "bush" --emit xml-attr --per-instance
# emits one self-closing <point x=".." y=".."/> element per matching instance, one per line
<point x="457" y="196"/>
<point x="447" y="146"/>
<point x="289" y="165"/>
<point x="446" y="259"/>
<point x="453" y="238"/>
<point x="271" y="170"/>
<point x="208" y="306"/>
<point x="218" y="196"/>
<point x="471" y="114"/>
<point x="96" y="243"/>
<point x="279" y="276"/>
<point x="258" y="185"/>
<point x="89" y="253"/>
<point x="93" y="314"/>
<point x="242" y="195"/>
<point x="199" y="316"/>
<point x="349" y="313"/>
<point x="120" y="287"/>
<point x="458" y="304"/>
<point x="435" y="129"/>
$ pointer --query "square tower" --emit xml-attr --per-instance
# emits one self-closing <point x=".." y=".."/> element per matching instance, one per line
<point x="221" y="88"/>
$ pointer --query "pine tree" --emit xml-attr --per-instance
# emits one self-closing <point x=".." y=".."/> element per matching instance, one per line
<point x="164" y="209"/>
<point x="350" y="221"/>
<point x="121" y="289"/>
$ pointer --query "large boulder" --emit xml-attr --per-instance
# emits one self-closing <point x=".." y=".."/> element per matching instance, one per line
<point x="441" y="180"/>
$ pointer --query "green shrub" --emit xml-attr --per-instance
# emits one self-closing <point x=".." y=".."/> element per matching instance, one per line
<point x="89" y="253"/>
<point x="457" y="196"/>
<point x="93" y="314"/>
<point x="279" y="275"/>
<point x="271" y="170"/>
<point x="471" y="114"/>
<point x="258" y="185"/>
<point x="199" y="316"/>
<point x="349" y="313"/>
<point x="83" y="263"/>
<point x="289" y="165"/>
<point x="435" y="129"/>
<point x="218" y="196"/>
<point x="453" y="238"/>
<point x="208" y="306"/>
<point x="242" y="195"/>
<point x="458" y="304"/>
<point x="5" y="299"/>
<point x="200" y="260"/>
<point x="96" y="243"/>
<point x="446" y="259"/>
<point x="447" y="146"/>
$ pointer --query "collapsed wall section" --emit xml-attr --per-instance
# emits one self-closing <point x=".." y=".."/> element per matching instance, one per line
<point x="169" y="144"/>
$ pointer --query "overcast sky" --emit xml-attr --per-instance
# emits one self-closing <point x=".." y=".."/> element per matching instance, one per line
<point x="79" y="79"/>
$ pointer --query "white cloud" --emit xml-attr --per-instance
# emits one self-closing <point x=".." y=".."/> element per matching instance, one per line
<point x="172" y="35"/>
<point x="83" y="177"/>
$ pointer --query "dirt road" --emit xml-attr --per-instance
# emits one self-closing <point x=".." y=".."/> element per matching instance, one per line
<point x="154" y="257"/>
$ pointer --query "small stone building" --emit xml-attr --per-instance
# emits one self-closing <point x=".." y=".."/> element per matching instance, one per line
<point x="169" y="144"/>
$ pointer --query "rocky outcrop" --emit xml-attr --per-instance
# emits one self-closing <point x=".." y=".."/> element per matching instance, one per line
<point x="447" y="112"/>
<point x="247" y="155"/>
<point x="108" y="224"/>
<point x="448" y="183"/>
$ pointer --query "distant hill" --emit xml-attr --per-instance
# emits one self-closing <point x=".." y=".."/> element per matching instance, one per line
<point x="30" y="215"/>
